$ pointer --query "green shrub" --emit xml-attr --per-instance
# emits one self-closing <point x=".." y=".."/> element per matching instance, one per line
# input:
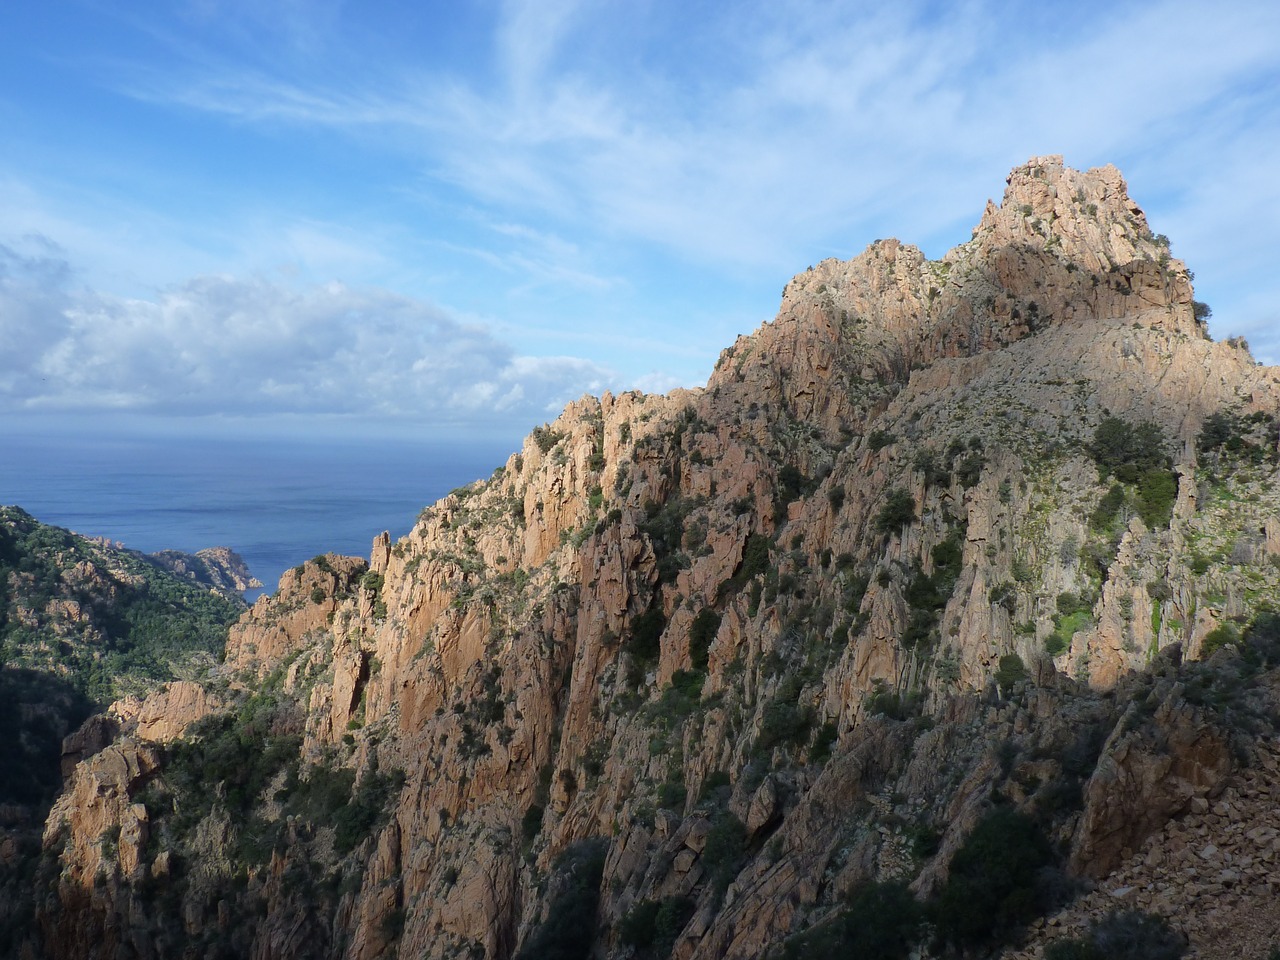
<point x="792" y="484"/>
<point x="366" y="809"/>
<point x="36" y="711"/>
<point x="925" y="839"/>
<point x="531" y="822"/>
<point x="1157" y="494"/>
<point x="1004" y="595"/>
<point x="855" y="589"/>
<point x="715" y="781"/>
<point x="1218" y="637"/>
<point x="1122" y="935"/>
<point x="882" y="921"/>
<point x="569" y="931"/>
<point x="926" y="596"/>
<point x="1249" y="439"/>
<point x="826" y="738"/>
<point x="1261" y="642"/>
<point x="892" y="704"/>
<point x="755" y="556"/>
<point x="1136" y="455"/>
<point x="898" y="511"/>
<point x="879" y="439"/>
<point x="636" y="928"/>
<point x="1105" y="513"/>
<point x="784" y="722"/>
<point x="644" y="640"/>
<point x="948" y="555"/>
<point x="932" y="470"/>
<point x="755" y="561"/>
<point x="316" y="793"/>
<point x="1011" y="670"/>
<point x="672" y="796"/>
<point x="835" y="496"/>
<point x="1217" y="430"/>
<point x="1127" y="450"/>
<point x="701" y="634"/>
<point x="725" y="850"/>
<point x="1069" y="603"/>
<point x="656" y="924"/>
<point x="546" y="438"/>
<point x="235" y="753"/>
<point x="969" y="470"/>
<point x="995" y="885"/>
<point x="1022" y="570"/>
<point x="1064" y="628"/>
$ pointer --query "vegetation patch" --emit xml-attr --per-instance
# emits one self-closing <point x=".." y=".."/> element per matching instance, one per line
<point x="785" y="721"/>
<point x="644" y="639"/>
<point x="1122" y="935"/>
<point x="1074" y="615"/>
<point x="569" y="930"/>
<point x="898" y="511"/>
<point x="701" y="634"/>
<point x="881" y="921"/>
<point x="1227" y="438"/>
<point x="755" y="561"/>
<point x="1137" y="456"/>
<point x="135" y="621"/>
<point x="997" y="882"/>
<point x="652" y="926"/>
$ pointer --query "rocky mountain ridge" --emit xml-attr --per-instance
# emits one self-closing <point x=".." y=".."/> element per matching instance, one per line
<point x="690" y="675"/>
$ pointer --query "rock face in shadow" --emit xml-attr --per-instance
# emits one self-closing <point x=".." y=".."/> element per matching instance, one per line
<point x="741" y="650"/>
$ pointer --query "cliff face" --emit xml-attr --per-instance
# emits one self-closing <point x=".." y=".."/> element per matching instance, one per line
<point x="688" y="670"/>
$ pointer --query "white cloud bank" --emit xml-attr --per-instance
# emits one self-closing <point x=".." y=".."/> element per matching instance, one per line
<point x="219" y="345"/>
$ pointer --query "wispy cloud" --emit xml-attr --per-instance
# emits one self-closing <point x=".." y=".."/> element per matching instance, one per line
<point x="755" y="138"/>
<point x="803" y="117"/>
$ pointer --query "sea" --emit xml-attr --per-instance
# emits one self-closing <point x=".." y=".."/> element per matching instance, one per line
<point x="276" y="501"/>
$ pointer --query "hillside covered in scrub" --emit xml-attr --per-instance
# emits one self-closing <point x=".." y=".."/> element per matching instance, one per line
<point x="84" y="622"/>
<point x="942" y="619"/>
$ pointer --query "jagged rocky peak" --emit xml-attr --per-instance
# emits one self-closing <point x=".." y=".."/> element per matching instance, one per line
<point x="1063" y="247"/>
<point x="1087" y="217"/>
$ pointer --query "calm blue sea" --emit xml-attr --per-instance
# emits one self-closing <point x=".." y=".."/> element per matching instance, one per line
<point x="275" y="502"/>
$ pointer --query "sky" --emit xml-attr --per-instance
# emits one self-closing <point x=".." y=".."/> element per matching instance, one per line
<point x="456" y="217"/>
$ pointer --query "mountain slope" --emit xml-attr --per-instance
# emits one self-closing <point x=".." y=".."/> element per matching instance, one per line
<point x="82" y="622"/>
<point x="915" y="573"/>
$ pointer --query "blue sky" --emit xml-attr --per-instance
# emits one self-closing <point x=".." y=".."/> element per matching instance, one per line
<point x="459" y="216"/>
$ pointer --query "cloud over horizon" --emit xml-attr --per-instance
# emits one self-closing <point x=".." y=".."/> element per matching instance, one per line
<point x="253" y="347"/>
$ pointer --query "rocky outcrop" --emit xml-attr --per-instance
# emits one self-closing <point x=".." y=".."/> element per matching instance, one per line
<point x="218" y="568"/>
<point x="1146" y="777"/>
<point x="1212" y="871"/>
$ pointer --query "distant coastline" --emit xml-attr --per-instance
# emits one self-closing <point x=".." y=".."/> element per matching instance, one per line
<point x="276" y="502"/>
